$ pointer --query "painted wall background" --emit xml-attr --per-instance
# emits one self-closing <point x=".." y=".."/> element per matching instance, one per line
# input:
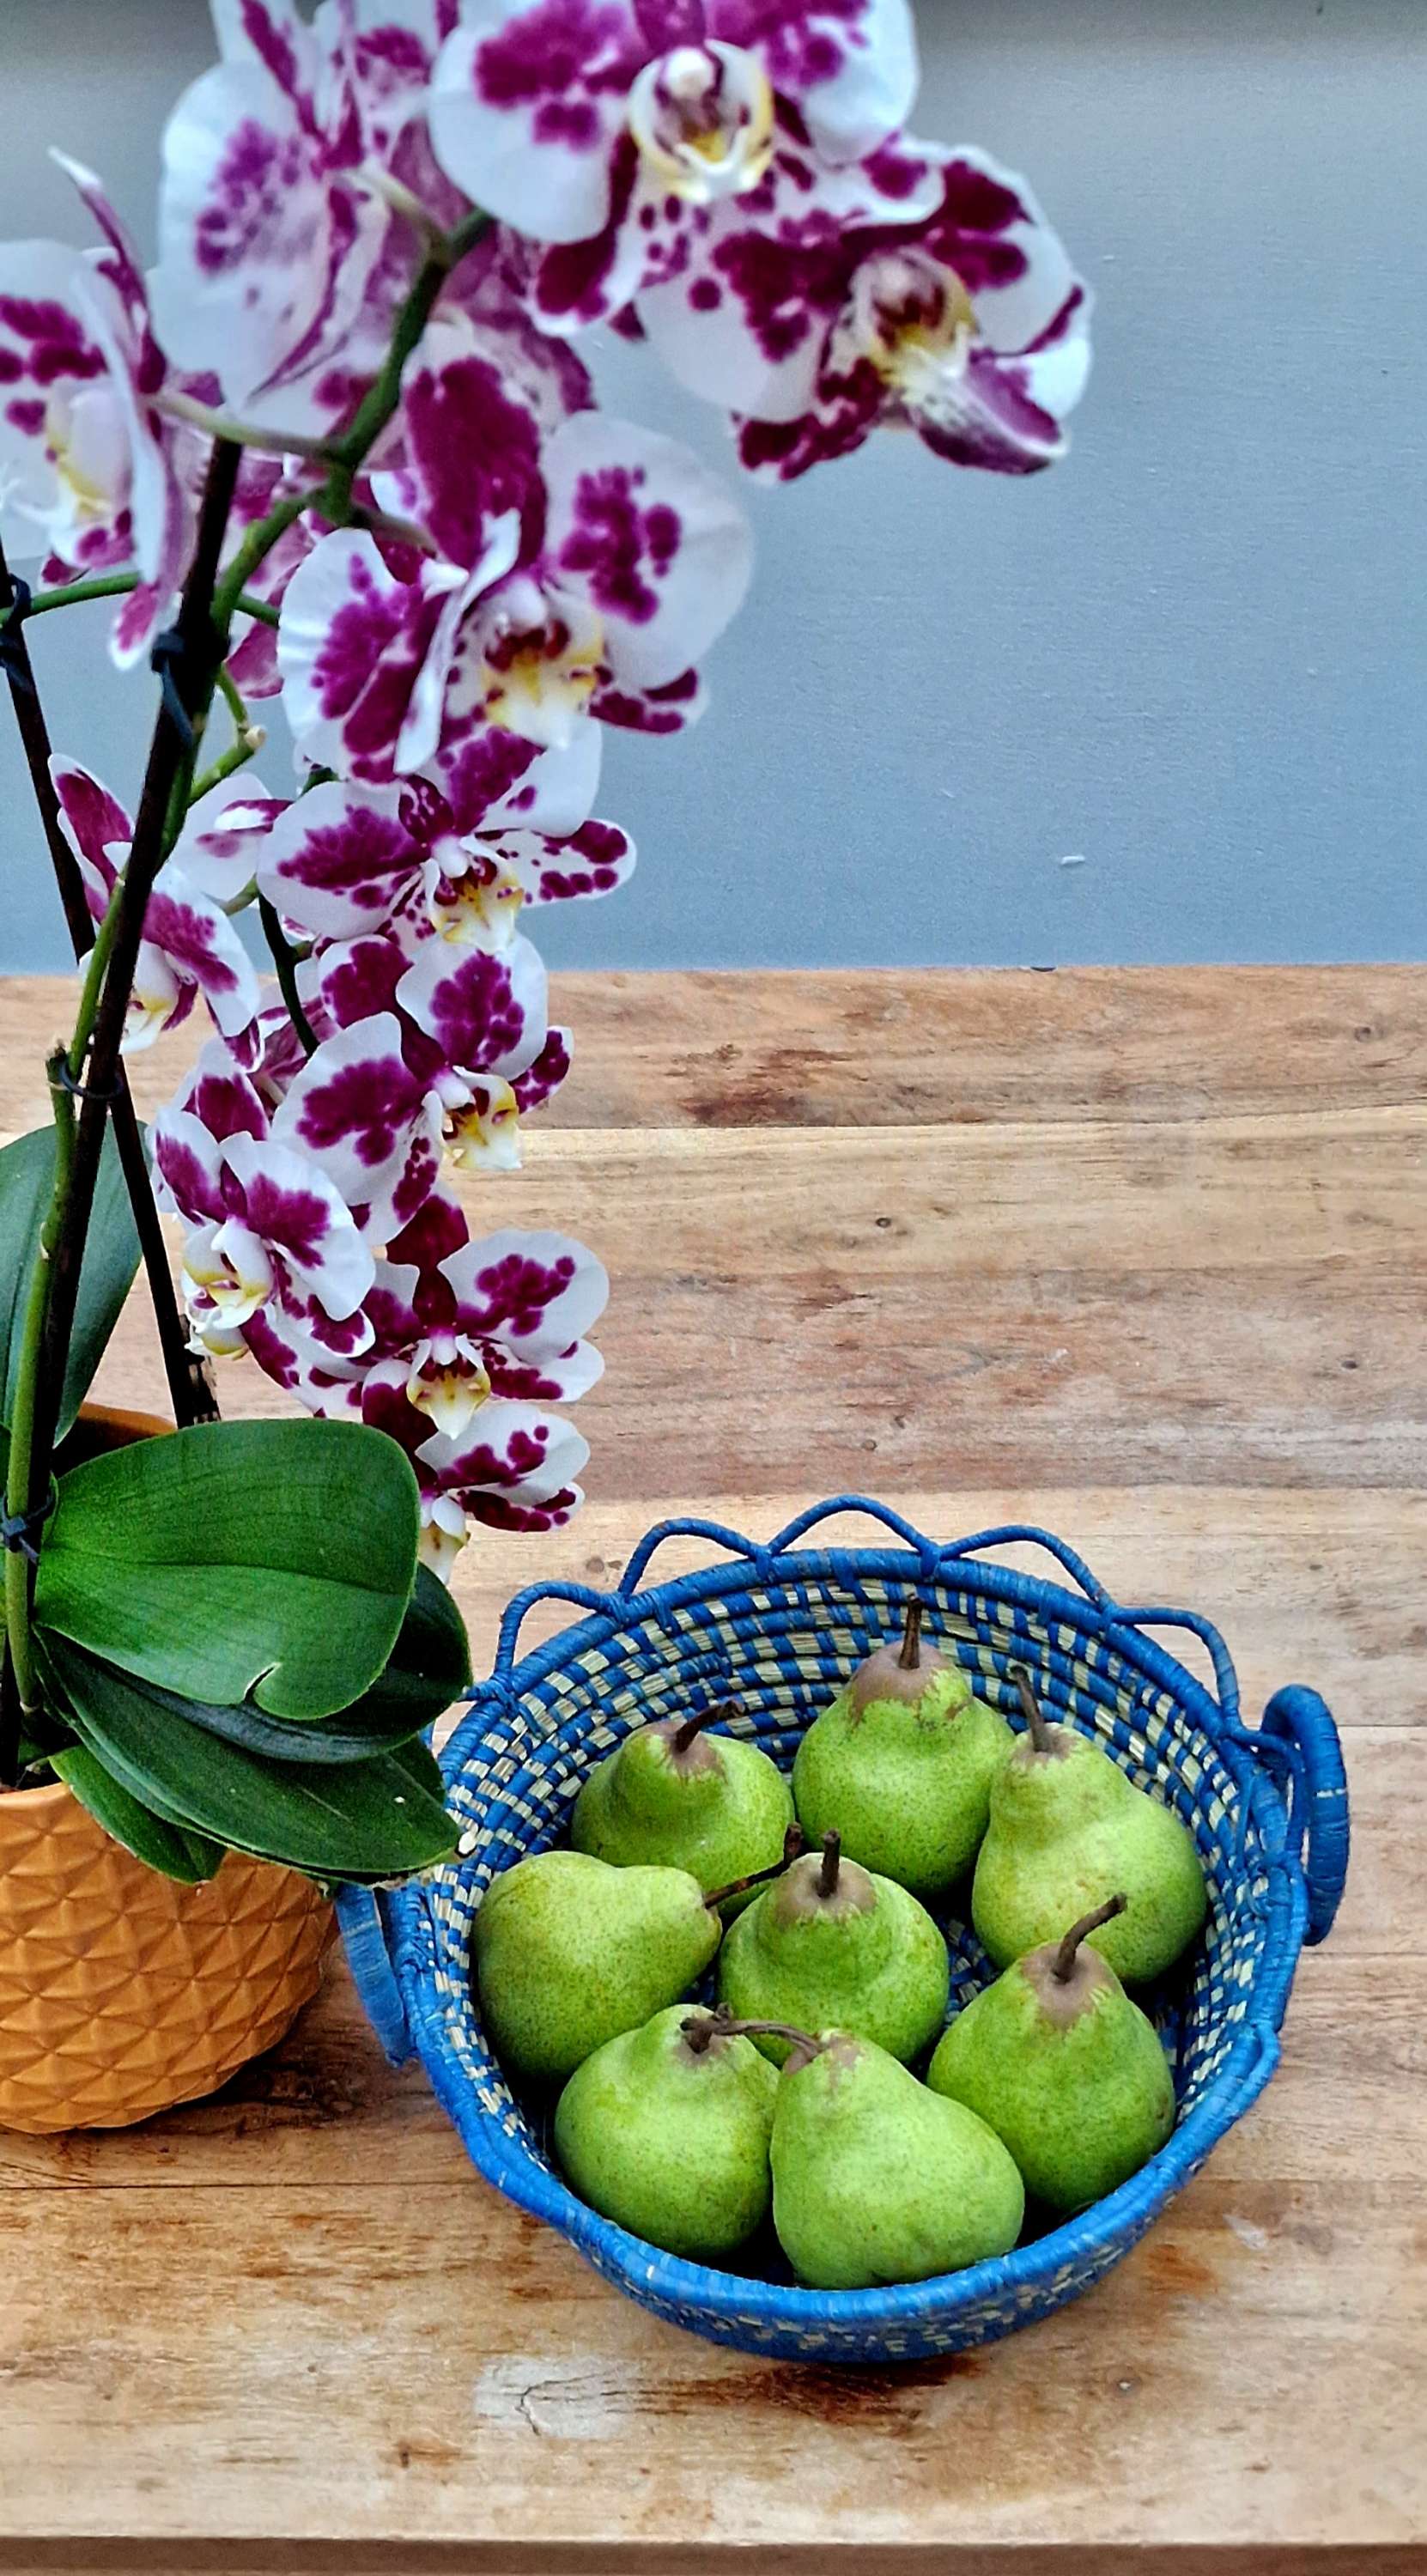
<point x="1193" y="660"/>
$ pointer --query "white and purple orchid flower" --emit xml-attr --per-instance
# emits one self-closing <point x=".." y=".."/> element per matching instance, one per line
<point x="190" y="946"/>
<point x="578" y="577"/>
<point x="969" y="327"/>
<point x="268" y="237"/>
<point x="455" y="1352"/>
<point x="345" y="860"/>
<point x="263" y="1219"/>
<point x="93" y="474"/>
<point x="612" y="130"/>
<point x="287" y="1203"/>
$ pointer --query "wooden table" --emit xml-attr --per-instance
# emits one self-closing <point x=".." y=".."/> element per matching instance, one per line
<point x="1140" y="1256"/>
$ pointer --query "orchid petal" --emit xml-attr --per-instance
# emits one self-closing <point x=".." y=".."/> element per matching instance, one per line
<point x="199" y="942"/>
<point x="95" y="824"/>
<point x="592" y="861"/>
<point x="526" y="102"/>
<point x="537" y="1292"/>
<point x="554" y="794"/>
<point x="223" y="839"/>
<point x="339" y="860"/>
<point x="486" y="1012"/>
<point x="373" y="1126"/>
<point x="849" y="65"/>
<point x="47" y="352"/>
<point x="350" y="643"/>
<point x="511" y="1451"/>
<point x="293" y="1208"/>
<point x="472" y="452"/>
<point x="654" y="542"/>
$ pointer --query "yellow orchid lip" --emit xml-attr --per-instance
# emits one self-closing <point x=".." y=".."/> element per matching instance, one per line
<point x="486" y="1134"/>
<point x="703" y="117"/>
<point x="90" y="500"/>
<point x="225" y="1289"/>
<point x="477" y="910"/>
<point x="534" y="683"/>
<point x="449" y="1396"/>
<point x="917" y="322"/>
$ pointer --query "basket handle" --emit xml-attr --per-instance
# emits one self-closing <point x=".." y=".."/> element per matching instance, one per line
<point x="1303" y="1739"/>
<point x="364" y="1938"/>
<point x="934" y="1553"/>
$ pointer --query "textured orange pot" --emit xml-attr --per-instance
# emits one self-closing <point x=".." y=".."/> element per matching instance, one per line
<point x="122" y="1993"/>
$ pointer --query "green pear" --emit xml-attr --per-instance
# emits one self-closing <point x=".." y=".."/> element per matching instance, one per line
<point x="831" y="1944"/>
<point x="665" y="2130"/>
<point x="1065" y="1823"/>
<point x="1067" y="2071"/>
<point x="875" y="2179"/>
<point x="568" y="1952"/>
<point x="710" y="1804"/>
<point x="902" y="1764"/>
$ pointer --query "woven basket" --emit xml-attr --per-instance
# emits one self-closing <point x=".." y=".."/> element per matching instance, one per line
<point x="780" y="1627"/>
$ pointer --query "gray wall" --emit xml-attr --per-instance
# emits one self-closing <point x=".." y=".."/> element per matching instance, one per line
<point x="1194" y="657"/>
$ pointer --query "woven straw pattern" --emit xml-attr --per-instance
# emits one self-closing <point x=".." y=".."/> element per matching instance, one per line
<point x="781" y="1630"/>
<point x="121" y="1992"/>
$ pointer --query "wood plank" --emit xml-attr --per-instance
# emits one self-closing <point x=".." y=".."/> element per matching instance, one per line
<point x="894" y="1047"/>
<point x="445" y="2414"/>
<point x="1198" y="1194"/>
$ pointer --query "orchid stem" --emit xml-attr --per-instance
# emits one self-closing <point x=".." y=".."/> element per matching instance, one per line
<point x="235" y="757"/>
<point x="233" y="700"/>
<point x="19" y="1482"/>
<point x="115" y="585"/>
<point x="107" y="585"/>
<point x="251" y="738"/>
<point x="240" y="433"/>
<point x="284" y="958"/>
<point x="256" y="545"/>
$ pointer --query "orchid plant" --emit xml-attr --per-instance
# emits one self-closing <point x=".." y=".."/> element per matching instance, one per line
<point x="342" y="449"/>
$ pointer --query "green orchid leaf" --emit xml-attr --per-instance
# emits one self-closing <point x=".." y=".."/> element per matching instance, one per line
<point x="368" y="1819"/>
<point x="271" y="1561"/>
<point x="111" y="1257"/>
<point x="430" y="1662"/>
<point x="171" y="1849"/>
<point x="421" y="1765"/>
<point x="429" y="1667"/>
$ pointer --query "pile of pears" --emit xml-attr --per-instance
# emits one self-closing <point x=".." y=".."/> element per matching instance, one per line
<point x="795" y="2095"/>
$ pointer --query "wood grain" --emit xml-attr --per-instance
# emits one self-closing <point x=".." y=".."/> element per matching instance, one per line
<point x="1140" y="1257"/>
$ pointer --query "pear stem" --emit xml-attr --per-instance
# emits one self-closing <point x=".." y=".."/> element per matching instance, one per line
<point x="792" y="1845"/>
<point x="1030" y="1707"/>
<point x="910" y="1658"/>
<point x="703" y="2028"/>
<point x="832" y="1863"/>
<point x="802" y="2040"/>
<point x="1064" y="1967"/>
<point x="684" y="1736"/>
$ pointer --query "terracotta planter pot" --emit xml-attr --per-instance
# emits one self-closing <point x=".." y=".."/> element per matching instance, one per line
<point x="122" y="1993"/>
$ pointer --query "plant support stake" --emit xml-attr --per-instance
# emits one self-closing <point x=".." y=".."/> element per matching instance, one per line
<point x="194" y="649"/>
<point x="189" y="1385"/>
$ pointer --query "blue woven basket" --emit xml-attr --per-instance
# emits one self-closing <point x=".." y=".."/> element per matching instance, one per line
<point x="779" y="1627"/>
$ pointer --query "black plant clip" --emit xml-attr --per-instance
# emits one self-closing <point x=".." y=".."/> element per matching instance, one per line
<point x="70" y="1082"/>
<point x="168" y="656"/>
<point x="14" y="652"/>
<point x="20" y="1531"/>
